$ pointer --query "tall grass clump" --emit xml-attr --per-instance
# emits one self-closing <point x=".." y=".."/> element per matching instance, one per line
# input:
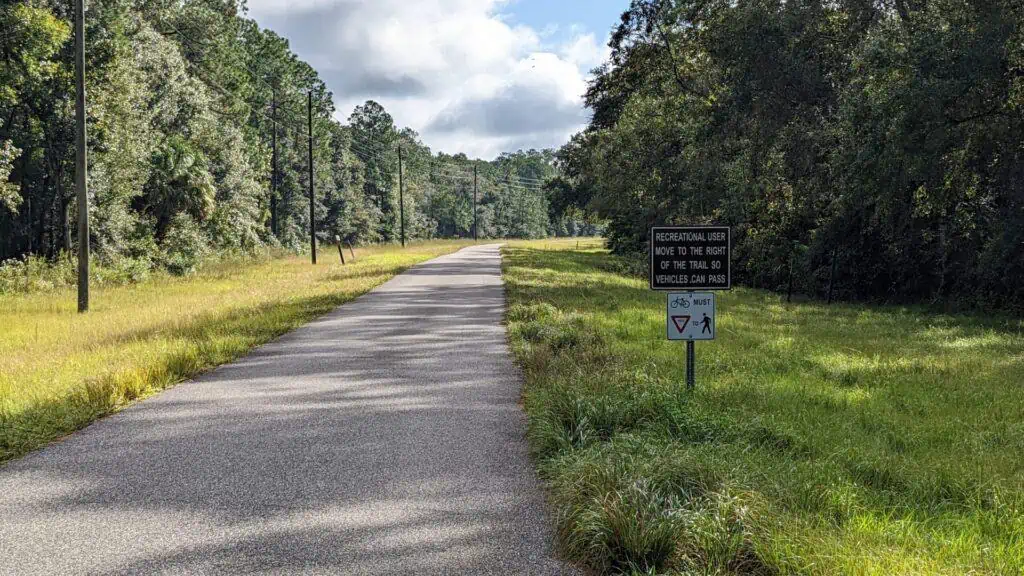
<point x="187" y="257"/>
<point x="819" y="440"/>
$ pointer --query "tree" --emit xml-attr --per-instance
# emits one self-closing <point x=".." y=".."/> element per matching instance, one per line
<point x="373" y="130"/>
<point x="198" y="145"/>
<point x="879" y="140"/>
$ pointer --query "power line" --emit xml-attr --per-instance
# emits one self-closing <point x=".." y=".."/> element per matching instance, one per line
<point x="364" y="150"/>
<point x="188" y="40"/>
<point x="534" y="180"/>
<point x="453" y="169"/>
<point x="356" y="137"/>
<point x="523" y="187"/>
<point x="363" y="155"/>
<point x="452" y="176"/>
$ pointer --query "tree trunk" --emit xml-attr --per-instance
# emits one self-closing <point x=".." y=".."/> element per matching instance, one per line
<point x="789" y="288"/>
<point x="66" y="223"/>
<point x="832" y="276"/>
<point x="31" y="221"/>
<point x="943" y="260"/>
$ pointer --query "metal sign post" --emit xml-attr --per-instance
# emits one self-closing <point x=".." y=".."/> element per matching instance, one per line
<point x="690" y="316"/>
<point x="694" y="258"/>
<point x="691" y="361"/>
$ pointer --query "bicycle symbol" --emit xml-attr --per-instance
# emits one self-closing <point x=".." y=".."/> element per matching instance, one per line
<point x="680" y="303"/>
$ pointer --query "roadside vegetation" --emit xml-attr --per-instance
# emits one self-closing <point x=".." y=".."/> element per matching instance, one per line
<point x="820" y="439"/>
<point x="59" y="370"/>
<point x="198" y="148"/>
<point x="872" y="149"/>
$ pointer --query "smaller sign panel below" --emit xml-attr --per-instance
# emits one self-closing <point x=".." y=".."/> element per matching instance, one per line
<point x="690" y="315"/>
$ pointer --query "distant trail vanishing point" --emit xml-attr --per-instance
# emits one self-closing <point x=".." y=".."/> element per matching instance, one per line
<point x="383" y="438"/>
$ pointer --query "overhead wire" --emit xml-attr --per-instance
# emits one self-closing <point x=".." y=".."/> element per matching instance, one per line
<point x="364" y="150"/>
<point x="255" y="75"/>
<point x="533" y="180"/>
<point x="358" y="138"/>
<point x="188" y="40"/>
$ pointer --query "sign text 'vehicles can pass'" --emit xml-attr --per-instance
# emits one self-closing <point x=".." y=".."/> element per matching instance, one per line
<point x="692" y="258"/>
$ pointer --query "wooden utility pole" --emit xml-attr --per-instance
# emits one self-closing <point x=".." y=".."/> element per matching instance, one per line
<point x="312" y="200"/>
<point x="81" y="161"/>
<point x="337" y="238"/>
<point x="474" y="204"/>
<point x="273" y="167"/>
<point x="401" y="195"/>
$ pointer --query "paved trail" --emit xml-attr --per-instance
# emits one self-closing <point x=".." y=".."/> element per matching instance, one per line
<point x="383" y="438"/>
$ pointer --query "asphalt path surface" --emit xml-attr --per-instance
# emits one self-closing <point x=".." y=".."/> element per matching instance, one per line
<point x="383" y="438"/>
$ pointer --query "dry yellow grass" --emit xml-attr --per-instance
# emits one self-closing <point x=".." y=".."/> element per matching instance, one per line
<point x="60" y="370"/>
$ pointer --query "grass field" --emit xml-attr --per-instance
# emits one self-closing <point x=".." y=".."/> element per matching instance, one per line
<point x="59" y="371"/>
<point x="820" y="439"/>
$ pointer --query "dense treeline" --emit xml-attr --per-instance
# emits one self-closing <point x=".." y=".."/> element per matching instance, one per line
<point x="197" y="124"/>
<point x="875" y="145"/>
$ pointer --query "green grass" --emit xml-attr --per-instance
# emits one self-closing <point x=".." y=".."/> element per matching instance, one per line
<point x="838" y="439"/>
<point x="59" y="370"/>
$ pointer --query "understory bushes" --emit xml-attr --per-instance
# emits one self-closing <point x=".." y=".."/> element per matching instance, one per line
<point x="39" y="274"/>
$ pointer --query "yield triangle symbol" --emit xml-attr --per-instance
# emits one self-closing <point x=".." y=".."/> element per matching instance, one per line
<point x="681" y="322"/>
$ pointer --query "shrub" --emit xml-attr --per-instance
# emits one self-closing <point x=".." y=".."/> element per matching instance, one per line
<point x="36" y="274"/>
<point x="184" y="246"/>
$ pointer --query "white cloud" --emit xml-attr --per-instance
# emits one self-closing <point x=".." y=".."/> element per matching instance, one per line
<point x="585" y="51"/>
<point x="454" y="70"/>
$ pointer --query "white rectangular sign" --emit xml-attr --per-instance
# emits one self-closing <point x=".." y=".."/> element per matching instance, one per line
<point x="691" y="315"/>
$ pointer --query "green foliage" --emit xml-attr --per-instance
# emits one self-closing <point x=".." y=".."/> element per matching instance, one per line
<point x="198" y="143"/>
<point x="374" y="131"/>
<point x="884" y="138"/>
<point x="9" y="197"/>
<point x="184" y="245"/>
<point x="184" y="185"/>
<point x="819" y="440"/>
<point x="36" y="274"/>
<point x="33" y="35"/>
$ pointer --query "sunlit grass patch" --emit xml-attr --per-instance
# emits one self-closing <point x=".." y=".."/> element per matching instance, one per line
<point x="821" y="439"/>
<point x="59" y="370"/>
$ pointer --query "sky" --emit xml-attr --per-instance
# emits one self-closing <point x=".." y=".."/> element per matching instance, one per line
<point x="475" y="76"/>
